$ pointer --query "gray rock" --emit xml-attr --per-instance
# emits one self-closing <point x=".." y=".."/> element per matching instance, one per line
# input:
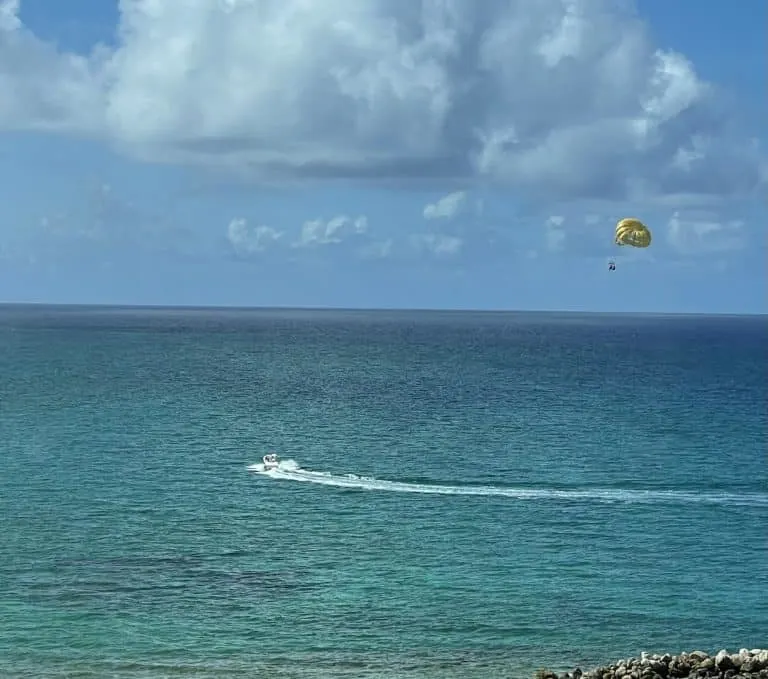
<point x="746" y="664"/>
<point x="749" y="665"/>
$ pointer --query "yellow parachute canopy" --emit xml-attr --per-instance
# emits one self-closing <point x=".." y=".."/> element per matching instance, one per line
<point x="632" y="232"/>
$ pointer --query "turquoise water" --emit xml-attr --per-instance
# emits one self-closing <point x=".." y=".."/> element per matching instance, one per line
<point x="462" y="494"/>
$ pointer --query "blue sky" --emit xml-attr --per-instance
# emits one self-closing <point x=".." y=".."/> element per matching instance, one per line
<point x="362" y="153"/>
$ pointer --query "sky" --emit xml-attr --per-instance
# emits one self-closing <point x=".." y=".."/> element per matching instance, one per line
<point x="384" y="153"/>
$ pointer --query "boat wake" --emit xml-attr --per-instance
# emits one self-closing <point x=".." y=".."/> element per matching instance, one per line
<point x="289" y="470"/>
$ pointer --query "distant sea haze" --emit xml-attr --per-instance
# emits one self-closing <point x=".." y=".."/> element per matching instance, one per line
<point x="460" y="494"/>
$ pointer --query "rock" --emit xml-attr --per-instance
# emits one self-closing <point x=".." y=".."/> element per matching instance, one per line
<point x="749" y="665"/>
<point x="746" y="664"/>
<point x="544" y="673"/>
<point x="680" y="666"/>
<point x="723" y="661"/>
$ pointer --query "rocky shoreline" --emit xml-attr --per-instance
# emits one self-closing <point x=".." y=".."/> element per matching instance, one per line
<point x="746" y="664"/>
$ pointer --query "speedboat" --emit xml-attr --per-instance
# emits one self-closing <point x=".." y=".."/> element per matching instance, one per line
<point x="270" y="461"/>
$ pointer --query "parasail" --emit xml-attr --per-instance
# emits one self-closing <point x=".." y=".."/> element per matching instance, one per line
<point x="631" y="231"/>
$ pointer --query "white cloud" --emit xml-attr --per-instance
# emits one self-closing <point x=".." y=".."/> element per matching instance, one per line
<point x="334" y="231"/>
<point x="698" y="232"/>
<point x="447" y="207"/>
<point x="558" y="98"/>
<point x="42" y="89"/>
<point x="248" y="240"/>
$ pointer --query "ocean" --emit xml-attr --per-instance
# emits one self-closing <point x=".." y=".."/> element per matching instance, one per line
<point x="461" y="494"/>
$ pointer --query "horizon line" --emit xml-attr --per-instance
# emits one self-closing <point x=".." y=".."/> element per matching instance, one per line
<point x="238" y="307"/>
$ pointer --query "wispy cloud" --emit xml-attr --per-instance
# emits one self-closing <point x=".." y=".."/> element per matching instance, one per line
<point x="698" y="232"/>
<point x="318" y="232"/>
<point x="555" y="234"/>
<point x="435" y="244"/>
<point x="447" y="207"/>
<point x="249" y="240"/>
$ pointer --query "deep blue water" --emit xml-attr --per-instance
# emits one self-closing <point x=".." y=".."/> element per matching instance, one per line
<point x="462" y="494"/>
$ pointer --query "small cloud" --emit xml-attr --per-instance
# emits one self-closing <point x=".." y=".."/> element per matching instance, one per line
<point x="447" y="207"/>
<point x="555" y="239"/>
<point x="687" y="156"/>
<point x="318" y="232"/>
<point x="698" y="232"/>
<point x="437" y="244"/>
<point x="377" y="249"/>
<point x="555" y="235"/>
<point x="248" y="240"/>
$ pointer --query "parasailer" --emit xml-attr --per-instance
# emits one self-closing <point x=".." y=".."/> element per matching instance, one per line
<point x="632" y="232"/>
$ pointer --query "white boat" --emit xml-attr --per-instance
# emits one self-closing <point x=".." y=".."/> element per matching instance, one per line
<point x="270" y="461"/>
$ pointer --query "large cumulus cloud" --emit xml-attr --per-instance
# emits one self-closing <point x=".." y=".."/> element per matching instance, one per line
<point x="567" y="98"/>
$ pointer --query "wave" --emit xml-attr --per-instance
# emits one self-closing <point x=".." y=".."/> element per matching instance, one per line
<point x="289" y="470"/>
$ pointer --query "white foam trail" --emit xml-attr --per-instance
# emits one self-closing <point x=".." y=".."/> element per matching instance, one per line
<point x="289" y="470"/>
